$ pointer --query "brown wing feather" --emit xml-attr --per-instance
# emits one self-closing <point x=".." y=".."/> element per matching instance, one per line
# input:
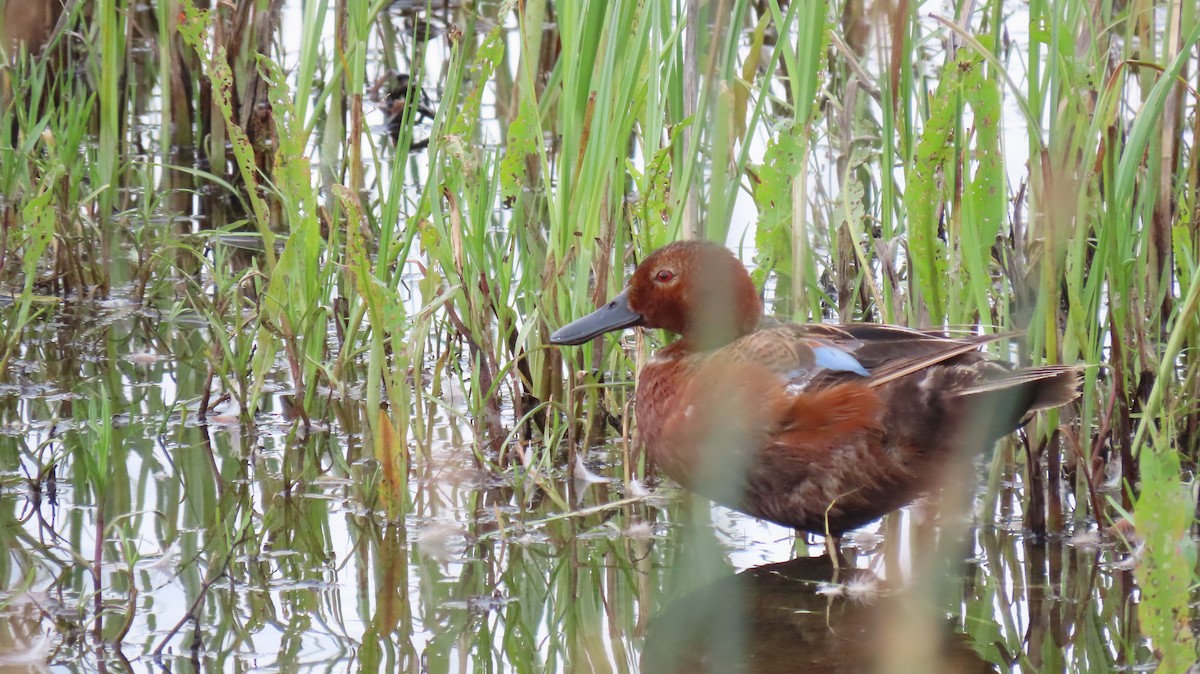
<point x="949" y="350"/>
<point x="780" y="349"/>
<point x="888" y="352"/>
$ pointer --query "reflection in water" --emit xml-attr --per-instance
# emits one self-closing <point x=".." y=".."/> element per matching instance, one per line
<point x="790" y="617"/>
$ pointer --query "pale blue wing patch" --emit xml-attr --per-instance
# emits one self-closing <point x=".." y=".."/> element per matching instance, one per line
<point x="831" y="358"/>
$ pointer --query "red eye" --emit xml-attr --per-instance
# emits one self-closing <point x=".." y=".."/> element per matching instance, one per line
<point x="664" y="276"/>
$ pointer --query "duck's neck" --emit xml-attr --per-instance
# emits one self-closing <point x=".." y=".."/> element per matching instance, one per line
<point x="725" y="311"/>
<point x="720" y="330"/>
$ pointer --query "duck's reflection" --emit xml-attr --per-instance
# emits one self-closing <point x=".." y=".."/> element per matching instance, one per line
<point x="791" y="617"/>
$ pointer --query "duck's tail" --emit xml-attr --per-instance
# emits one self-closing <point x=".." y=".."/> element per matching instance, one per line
<point x="1044" y="387"/>
<point x="1009" y="397"/>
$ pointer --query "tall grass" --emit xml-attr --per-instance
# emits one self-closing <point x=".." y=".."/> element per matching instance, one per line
<point x="935" y="174"/>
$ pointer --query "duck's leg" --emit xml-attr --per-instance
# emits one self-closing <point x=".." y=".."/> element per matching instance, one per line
<point x="833" y="544"/>
<point x="833" y="548"/>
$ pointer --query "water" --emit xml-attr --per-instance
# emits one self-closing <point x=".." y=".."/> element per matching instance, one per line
<point x="270" y="537"/>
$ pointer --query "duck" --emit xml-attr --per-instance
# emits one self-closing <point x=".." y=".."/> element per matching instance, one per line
<point x="820" y="427"/>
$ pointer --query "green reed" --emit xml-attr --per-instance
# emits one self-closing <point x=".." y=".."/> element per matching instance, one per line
<point x="45" y="168"/>
<point x="111" y="17"/>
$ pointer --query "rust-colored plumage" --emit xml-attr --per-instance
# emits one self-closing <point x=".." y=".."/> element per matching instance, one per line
<point x="818" y="427"/>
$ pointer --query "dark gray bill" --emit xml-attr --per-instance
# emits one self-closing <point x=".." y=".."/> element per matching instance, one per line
<point x="615" y="315"/>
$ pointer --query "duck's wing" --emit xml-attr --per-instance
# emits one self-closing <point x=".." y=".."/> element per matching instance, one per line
<point x="938" y="352"/>
<point x="814" y="356"/>
<point x="790" y="352"/>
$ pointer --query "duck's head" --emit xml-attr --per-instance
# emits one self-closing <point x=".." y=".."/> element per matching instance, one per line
<point x="697" y="289"/>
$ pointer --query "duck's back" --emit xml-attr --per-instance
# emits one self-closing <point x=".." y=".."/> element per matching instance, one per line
<point x="828" y="427"/>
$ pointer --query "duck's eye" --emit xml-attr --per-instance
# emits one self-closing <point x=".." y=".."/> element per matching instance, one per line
<point x="664" y="276"/>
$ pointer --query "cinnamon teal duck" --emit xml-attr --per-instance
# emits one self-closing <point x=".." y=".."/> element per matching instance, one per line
<point x="821" y="427"/>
